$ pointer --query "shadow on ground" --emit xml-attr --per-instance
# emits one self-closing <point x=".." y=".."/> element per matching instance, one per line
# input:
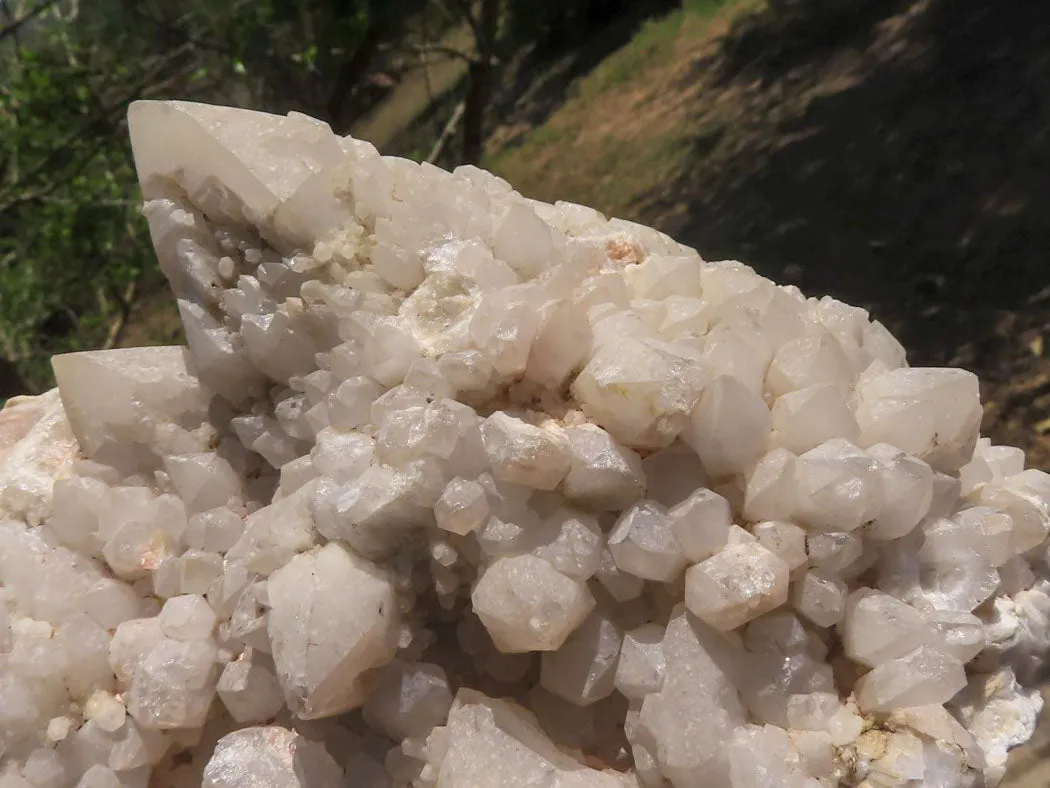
<point x="894" y="154"/>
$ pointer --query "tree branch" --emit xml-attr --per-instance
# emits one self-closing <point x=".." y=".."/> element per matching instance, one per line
<point x="116" y="328"/>
<point x="480" y="73"/>
<point x="352" y="71"/>
<point x="29" y="16"/>
<point x="102" y="117"/>
<point x="447" y="133"/>
<point x="436" y="49"/>
<point x="177" y="29"/>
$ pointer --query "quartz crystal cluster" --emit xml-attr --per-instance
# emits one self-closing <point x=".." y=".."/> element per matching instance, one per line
<point x="454" y="488"/>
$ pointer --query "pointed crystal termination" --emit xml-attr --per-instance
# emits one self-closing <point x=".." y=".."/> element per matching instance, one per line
<point x="270" y="756"/>
<point x="333" y="617"/>
<point x="432" y="444"/>
<point x="494" y="742"/>
<point x="285" y="172"/>
<point x="145" y="389"/>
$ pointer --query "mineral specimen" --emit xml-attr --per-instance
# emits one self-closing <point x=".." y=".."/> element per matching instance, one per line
<point x="451" y="487"/>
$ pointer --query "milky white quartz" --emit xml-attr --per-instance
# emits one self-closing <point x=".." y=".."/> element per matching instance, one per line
<point x="249" y="689"/>
<point x="528" y="605"/>
<point x="332" y="618"/>
<point x="643" y="543"/>
<point x="271" y="756"/>
<point x="410" y="701"/>
<point x="738" y="584"/>
<point x="493" y="742"/>
<point x="641" y="665"/>
<point x="455" y="488"/>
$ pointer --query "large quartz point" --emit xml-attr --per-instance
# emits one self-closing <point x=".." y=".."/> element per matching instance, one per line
<point x="271" y="756"/>
<point x="145" y="388"/>
<point x="696" y="708"/>
<point x="496" y="743"/>
<point x="333" y="617"/>
<point x="452" y="488"/>
<point x="286" y="171"/>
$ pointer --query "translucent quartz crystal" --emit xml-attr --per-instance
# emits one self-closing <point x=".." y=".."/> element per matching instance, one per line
<point x="494" y="742"/>
<point x="643" y="543"/>
<point x="804" y="419"/>
<point x="641" y="394"/>
<point x="736" y="585"/>
<point x="838" y="487"/>
<point x="701" y="524"/>
<point x="451" y="487"/>
<point x="907" y="492"/>
<point x="174" y="684"/>
<point x="766" y="757"/>
<point x="203" y="481"/>
<point x="807" y="361"/>
<point x="820" y="599"/>
<point x="879" y="627"/>
<point x="524" y="454"/>
<point x="695" y="710"/>
<point x="131" y="642"/>
<point x="976" y="530"/>
<point x="214" y="530"/>
<point x="1023" y="498"/>
<point x="333" y="617"/>
<point x="249" y="689"/>
<point x="583" y="669"/>
<point x="187" y="617"/>
<point x="145" y="387"/>
<point x="410" y="700"/>
<point x="603" y="474"/>
<point x="528" y="605"/>
<point x="772" y="487"/>
<point x="786" y="540"/>
<point x="672" y="474"/>
<point x="932" y="414"/>
<point x="462" y="507"/>
<point x="270" y="756"/>
<point x="620" y="585"/>
<point x="919" y="678"/>
<point x="571" y="541"/>
<point x="728" y="427"/>
<point x="641" y="666"/>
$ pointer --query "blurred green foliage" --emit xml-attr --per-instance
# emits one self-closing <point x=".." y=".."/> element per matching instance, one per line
<point x="71" y="243"/>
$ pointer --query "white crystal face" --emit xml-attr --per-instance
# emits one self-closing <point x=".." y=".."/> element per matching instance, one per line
<point x="332" y="617"/>
<point x="528" y="605"/>
<point x="455" y="488"/>
<point x="731" y="588"/>
<point x="270" y="756"/>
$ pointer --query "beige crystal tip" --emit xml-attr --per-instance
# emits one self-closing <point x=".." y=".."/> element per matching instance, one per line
<point x="281" y="171"/>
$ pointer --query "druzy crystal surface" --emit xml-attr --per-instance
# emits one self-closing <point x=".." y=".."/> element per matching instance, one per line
<point x="454" y="488"/>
